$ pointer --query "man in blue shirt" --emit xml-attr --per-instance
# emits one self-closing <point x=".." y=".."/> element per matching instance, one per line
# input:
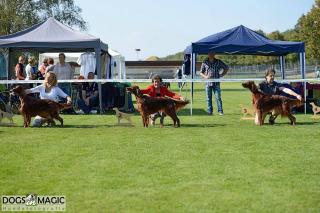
<point x="210" y="69"/>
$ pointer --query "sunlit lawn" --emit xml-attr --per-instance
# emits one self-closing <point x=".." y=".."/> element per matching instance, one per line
<point x="210" y="164"/>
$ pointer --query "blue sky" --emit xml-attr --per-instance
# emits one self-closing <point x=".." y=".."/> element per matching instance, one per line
<point x="166" y="27"/>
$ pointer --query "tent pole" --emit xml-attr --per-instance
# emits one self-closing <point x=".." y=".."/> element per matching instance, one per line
<point x="193" y="72"/>
<point x="281" y="58"/>
<point x="8" y="64"/>
<point x="302" y="70"/>
<point x="305" y="83"/>
<point x="98" y="68"/>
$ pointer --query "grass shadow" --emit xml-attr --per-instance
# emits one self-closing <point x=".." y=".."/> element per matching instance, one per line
<point x="195" y="111"/>
<point x="202" y="125"/>
<point x="82" y="126"/>
<point x="304" y="123"/>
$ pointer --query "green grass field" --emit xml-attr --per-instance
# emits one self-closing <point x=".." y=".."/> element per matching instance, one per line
<point x="210" y="164"/>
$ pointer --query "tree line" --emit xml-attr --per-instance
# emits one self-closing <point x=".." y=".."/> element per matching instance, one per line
<point x="16" y="15"/>
<point x="307" y="30"/>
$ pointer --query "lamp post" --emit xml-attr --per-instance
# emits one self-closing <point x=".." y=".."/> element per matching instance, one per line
<point x="138" y="51"/>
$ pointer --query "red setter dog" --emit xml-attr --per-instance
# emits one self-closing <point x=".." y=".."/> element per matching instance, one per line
<point x="150" y="105"/>
<point x="276" y="104"/>
<point x="31" y="107"/>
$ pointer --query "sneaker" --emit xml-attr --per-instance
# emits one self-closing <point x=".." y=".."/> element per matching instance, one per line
<point x="93" y="111"/>
<point x="80" y="112"/>
<point x="221" y="113"/>
<point x="209" y="113"/>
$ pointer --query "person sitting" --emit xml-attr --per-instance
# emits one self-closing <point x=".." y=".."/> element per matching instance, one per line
<point x="157" y="89"/>
<point x="90" y="96"/>
<point x="48" y="90"/>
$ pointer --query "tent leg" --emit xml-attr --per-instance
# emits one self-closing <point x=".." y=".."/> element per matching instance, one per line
<point x="98" y="68"/>
<point x="193" y="74"/>
<point x="303" y="72"/>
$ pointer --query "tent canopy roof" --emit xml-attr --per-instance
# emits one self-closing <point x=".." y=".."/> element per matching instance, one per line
<point x="242" y="40"/>
<point x="51" y="34"/>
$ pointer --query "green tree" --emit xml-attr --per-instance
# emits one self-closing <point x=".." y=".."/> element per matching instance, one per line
<point x="16" y="15"/>
<point x="309" y="31"/>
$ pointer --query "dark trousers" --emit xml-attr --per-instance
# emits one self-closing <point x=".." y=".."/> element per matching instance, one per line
<point x="93" y="101"/>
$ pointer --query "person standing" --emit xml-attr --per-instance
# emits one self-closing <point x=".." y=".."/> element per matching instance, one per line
<point x="30" y="69"/>
<point x="19" y="68"/>
<point x="178" y="75"/>
<point x="210" y="69"/>
<point x="50" y="66"/>
<point x="63" y="71"/>
<point x="42" y="68"/>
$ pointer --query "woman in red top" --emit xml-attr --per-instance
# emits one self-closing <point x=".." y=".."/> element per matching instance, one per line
<point x="156" y="89"/>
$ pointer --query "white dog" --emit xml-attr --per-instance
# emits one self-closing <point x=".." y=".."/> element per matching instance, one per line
<point x="122" y="115"/>
<point x="6" y="115"/>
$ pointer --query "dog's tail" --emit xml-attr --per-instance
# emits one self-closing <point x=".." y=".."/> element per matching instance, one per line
<point x="296" y="103"/>
<point x="179" y="104"/>
<point x="63" y="106"/>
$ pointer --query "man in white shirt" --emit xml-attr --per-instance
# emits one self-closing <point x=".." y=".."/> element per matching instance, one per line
<point x="64" y="71"/>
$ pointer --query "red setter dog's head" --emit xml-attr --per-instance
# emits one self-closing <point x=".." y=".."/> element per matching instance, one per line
<point x="18" y="90"/>
<point x="251" y="86"/>
<point x="135" y="90"/>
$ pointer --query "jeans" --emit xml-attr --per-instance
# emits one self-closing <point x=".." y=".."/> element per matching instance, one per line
<point x="217" y="94"/>
<point x="66" y="88"/>
<point x="93" y="101"/>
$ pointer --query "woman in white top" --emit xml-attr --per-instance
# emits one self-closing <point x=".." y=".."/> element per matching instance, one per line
<point x="48" y="90"/>
<point x="30" y="69"/>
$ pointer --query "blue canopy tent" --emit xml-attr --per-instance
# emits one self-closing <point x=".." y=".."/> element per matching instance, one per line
<point x="53" y="36"/>
<point x="244" y="41"/>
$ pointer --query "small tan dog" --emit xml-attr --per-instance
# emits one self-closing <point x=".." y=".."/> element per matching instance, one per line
<point x="122" y="115"/>
<point x="315" y="108"/>
<point x="246" y="111"/>
<point x="6" y="115"/>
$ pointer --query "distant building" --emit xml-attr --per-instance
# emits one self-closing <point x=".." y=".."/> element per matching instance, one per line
<point x="145" y="69"/>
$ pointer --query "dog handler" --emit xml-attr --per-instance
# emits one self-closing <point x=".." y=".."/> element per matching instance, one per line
<point x="156" y="89"/>
<point x="48" y="90"/>
<point x="271" y="87"/>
